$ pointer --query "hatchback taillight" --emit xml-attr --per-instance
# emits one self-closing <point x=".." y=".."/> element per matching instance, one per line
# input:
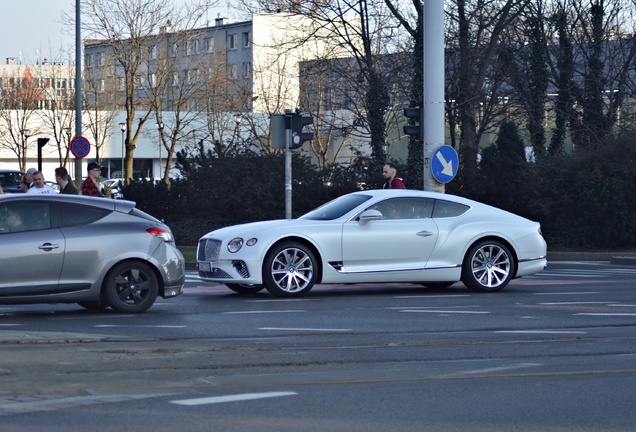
<point x="165" y="234"/>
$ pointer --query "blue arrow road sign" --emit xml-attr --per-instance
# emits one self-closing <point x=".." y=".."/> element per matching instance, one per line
<point x="444" y="164"/>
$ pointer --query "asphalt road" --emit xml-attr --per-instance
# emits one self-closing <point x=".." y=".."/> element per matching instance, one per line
<point x="553" y="352"/>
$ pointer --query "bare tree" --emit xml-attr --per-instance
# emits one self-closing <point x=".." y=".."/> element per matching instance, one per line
<point x="19" y="119"/>
<point x="58" y="115"/>
<point x="127" y="27"/>
<point x="361" y="30"/>
<point x="475" y="30"/>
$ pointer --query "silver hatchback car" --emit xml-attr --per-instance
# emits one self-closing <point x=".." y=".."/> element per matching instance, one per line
<point x="92" y="251"/>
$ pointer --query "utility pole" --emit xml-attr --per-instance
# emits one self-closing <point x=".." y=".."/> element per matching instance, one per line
<point x="433" y="107"/>
<point x="78" y="88"/>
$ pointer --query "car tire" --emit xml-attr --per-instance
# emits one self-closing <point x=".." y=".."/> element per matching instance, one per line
<point x="131" y="287"/>
<point x="488" y="266"/>
<point x="289" y="270"/>
<point x="245" y="288"/>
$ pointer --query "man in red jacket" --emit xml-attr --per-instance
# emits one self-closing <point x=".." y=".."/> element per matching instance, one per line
<point x="89" y="186"/>
<point x="389" y="172"/>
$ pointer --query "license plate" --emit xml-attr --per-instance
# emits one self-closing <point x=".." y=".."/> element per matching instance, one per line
<point x="205" y="267"/>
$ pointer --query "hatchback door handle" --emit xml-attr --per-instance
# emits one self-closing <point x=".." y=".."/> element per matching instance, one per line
<point x="48" y="247"/>
<point x="424" y="233"/>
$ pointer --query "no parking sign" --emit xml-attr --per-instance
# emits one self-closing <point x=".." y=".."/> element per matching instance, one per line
<point x="80" y="147"/>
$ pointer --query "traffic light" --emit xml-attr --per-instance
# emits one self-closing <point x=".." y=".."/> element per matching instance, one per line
<point x="298" y="121"/>
<point x="415" y="118"/>
<point x="41" y="143"/>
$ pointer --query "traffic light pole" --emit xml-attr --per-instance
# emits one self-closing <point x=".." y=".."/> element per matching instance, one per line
<point x="433" y="118"/>
<point x="287" y="133"/>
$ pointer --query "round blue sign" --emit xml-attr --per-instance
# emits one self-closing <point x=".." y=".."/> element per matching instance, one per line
<point x="80" y="147"/>
<point x="444" y="164"/>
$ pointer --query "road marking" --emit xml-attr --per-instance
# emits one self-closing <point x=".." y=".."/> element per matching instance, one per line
<point x="444" y="311"/>
<point x="10" y="325"/>
<point x="279" y="300"/>
<point x="140" y="326"/>
<point x="231" y="398"/>
<point x="261" y="312"/>
<point x="572" y="303"/>
<point x="499" y="369"/>
<point x="569" y="293"/>
<point x="304" y="329"/>
<point x="541" y="331"/>
<point x="606" y="314"/>
<point x="434" y="296"/>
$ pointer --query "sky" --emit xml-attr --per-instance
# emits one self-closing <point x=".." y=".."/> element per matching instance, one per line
<point x="31" y="30"/>
<point x="29" y="27"/>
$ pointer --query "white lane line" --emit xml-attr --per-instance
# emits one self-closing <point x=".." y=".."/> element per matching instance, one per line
<point x="231" y="398"/>
<point x="10" y="325"/>
<point x="541" y="331"/>
<point x="606" y="314"/>
<point x="572" y="303"/>
<point x="279" y="300"/>
<point x="444" y="311"/>
<point x="433" y="296"/>
<point x="140" y="326"/>
<point x="499" y="369"/>
<point x="262" y="312"/>
<point x="433" y="307"/>
<point x="305" y="329"/>
<point x="569" y="293"/>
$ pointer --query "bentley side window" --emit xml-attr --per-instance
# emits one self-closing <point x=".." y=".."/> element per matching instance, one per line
<point x="446" y="209"/>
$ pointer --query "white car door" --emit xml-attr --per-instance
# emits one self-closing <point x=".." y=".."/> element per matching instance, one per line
<point x="403" y="240"/>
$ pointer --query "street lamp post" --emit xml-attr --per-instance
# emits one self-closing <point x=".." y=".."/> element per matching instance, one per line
<point x="27" y="134"/>
<point x="122" y="128"/>
<point x="237" y="118"/>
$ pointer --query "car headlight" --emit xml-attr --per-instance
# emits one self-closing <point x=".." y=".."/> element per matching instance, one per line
<point x="235" y="245"/>
<point x="251" y="241"/>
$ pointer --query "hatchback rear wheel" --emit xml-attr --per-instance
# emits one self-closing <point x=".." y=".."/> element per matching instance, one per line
<point x="131" y="287"/>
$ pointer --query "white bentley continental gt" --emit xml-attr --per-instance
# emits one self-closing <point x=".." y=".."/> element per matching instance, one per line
<point x="383" y="236"/>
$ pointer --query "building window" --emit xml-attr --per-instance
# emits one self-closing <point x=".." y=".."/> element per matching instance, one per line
<point x="101" y="86"/>
<point x="152" y="80"/>
<point x="88" y="59"/>
<point x="247" y="39"/>
<point x="112" y="70"/>
<point x="101" y="59"/>
<point x="233" y="73"/>
<point x="192" y="76"/>
<point x="192" y="46"/>
<point x="121" y="84"/>
<point x="208" y="44"/>
<point x="174" y="49"/>
<point x="174" y="81"/>
<point x="231" y="41"/>
<point x="247" y="70"/>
